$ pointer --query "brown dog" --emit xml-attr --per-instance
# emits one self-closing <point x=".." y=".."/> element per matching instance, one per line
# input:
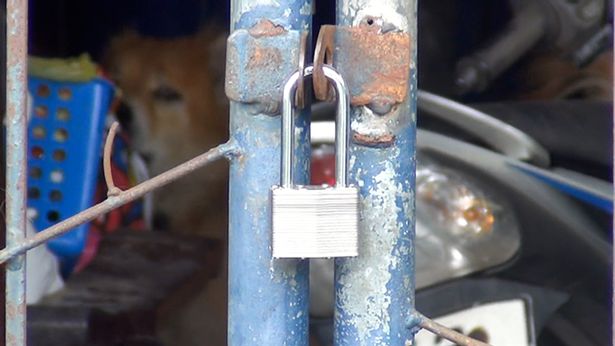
<point x="175" y="90"/>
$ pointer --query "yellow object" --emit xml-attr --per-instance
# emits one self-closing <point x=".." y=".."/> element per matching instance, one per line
<point x="78" y="69"/>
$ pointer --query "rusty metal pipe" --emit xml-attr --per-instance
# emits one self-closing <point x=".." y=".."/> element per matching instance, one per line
<point x="374" y="292"/>
<point x="268" y="298"/>
<point x="16" y="167"/>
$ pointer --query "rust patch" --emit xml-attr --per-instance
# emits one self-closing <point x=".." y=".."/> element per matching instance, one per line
<point x="376" y="65"/>
<point x="264" y="57"/>
<point x="323" y="54"/>
<point x="300" y="93"/>
<point x="258" y="62"/>
<point x="11" y="310"/>
<point x="375" y="141"/>
<point x="266" y="28"/>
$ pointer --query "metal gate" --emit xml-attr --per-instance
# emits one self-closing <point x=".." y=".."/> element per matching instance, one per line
<point x="268" y="301"/>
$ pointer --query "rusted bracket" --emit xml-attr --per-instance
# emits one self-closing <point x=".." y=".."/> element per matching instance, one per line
<point x="259" y="60"/>
<point x="323" y="54"/>
<point x="374" y="60"/>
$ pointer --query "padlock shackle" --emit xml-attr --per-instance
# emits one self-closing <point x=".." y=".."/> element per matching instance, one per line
<point x="341" y="125"/>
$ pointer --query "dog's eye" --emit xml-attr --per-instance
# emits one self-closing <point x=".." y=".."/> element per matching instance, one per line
<point x="166" y="94"/>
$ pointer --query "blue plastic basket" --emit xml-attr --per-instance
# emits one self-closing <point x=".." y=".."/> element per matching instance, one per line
<point x="65" y="136"/>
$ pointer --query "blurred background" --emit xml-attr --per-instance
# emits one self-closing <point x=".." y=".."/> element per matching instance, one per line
<point x="535" y="231"/>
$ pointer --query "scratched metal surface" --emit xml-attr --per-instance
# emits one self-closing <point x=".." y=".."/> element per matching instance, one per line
<point x="268" y="299"/>
<point x="375" y="291"/>
<point x="265" y="49"/>
<point x="16" y="144"/>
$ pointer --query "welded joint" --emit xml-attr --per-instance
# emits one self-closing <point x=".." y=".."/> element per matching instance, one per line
<point x="259" y="60"/>
<point x="413" y="322"/>
<point x="233" y="150"/>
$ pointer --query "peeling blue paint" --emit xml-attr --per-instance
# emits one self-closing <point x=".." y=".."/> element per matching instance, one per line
<point x="268" y="299"/>
<point x="291" y="14"/>
<point x="375" y="291"/>
<point x="260" y="84"/>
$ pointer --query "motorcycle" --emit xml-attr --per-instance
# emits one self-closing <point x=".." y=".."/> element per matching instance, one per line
<point x="512" y="245"/>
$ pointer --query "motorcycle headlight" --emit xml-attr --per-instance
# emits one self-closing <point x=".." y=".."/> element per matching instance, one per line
<point x="461" y="225"/>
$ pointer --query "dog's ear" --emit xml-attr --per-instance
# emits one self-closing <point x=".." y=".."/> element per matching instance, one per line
<point x="215" y="39"/>
<point x="122" y="56"/>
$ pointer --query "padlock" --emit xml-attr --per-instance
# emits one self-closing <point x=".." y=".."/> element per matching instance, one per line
<point x="315" y="221"/>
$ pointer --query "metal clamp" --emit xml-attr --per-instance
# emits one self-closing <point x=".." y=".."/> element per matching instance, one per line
<point x="259" y="60"/>
<point x="374" y="61"/>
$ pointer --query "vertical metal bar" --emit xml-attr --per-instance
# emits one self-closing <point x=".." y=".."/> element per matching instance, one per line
<point x="268" y="299"/>
<point x="16" y="148"/>
<point x="375" y="291"/>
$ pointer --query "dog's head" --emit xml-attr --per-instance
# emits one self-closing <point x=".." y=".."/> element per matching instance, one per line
<point x="174" y="89"/>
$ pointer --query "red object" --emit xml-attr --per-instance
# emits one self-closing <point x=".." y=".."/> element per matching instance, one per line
<point x="322" y="170"/>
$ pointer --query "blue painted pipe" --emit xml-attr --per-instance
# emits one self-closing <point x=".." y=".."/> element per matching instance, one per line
<point x="374" y="292"/>
<point x="268" y="299"/>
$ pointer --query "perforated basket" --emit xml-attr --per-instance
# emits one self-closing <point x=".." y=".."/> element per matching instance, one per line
<point x="65" y="144"/>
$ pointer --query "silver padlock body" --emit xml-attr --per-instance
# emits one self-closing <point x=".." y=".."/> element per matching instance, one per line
<point x="315" y="222"/>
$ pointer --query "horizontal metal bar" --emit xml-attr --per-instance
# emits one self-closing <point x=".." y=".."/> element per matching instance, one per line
<point x="447" y="333"/>
<point x="223" y="150"/>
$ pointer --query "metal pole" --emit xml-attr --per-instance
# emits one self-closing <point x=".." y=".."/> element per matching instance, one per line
<point x="16" y="149"/>
<point x="375" y="291"/>
<point x="268" y="299"/>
